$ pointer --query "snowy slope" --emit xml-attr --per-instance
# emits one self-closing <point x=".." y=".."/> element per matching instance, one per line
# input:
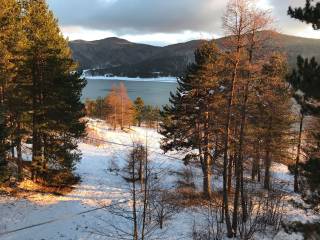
<point x="78" y="214"/>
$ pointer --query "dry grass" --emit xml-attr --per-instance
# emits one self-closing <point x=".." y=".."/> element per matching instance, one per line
<point x="28" y="187"/>
<point x="189" y="197"/>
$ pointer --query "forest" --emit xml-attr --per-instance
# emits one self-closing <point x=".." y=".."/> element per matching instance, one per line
<point x="235" y="154"/>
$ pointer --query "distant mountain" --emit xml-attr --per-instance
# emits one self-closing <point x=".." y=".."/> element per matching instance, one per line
<point x="121" y="57"/>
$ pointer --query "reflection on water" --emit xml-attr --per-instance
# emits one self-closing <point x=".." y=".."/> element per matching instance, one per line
<point x="153" y="93"/>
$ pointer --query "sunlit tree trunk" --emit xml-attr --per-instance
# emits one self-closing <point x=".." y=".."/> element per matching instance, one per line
<point x="296" y="170"/>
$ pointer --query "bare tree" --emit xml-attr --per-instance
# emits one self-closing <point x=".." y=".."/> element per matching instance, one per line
<point x="149" y="205"/>
<point x="210" y="227"/>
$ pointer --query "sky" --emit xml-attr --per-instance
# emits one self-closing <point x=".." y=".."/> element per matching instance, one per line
<point x="161" y="22"/>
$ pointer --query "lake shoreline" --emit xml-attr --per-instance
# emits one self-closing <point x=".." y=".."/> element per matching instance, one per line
<point x="136" y="79"/>
<point x="153" y="91"/>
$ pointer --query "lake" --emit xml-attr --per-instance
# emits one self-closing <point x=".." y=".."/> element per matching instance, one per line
<point x="154" y="91"/>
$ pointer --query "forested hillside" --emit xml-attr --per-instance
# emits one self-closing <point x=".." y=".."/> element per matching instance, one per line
<point x="121" y="57"/>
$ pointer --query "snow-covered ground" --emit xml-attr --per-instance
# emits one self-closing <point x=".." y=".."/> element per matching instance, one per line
<point x="78" y="214"/>
<point x="136" y="79"/>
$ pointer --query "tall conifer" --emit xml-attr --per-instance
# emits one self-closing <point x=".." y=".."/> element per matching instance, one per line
<point x="189" y="122"/>
<point x="10" y="16"/>
<point x="55" y="91"/>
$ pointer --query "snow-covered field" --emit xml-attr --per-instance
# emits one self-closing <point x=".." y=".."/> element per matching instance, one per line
<point x="78" y="215"/>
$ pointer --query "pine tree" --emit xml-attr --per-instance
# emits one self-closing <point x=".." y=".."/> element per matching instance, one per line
<point x="3" y="137"/>
<point x="54" y="92"/>
<point x="306" y="78"/>
<point x="61" y="145"/>
<point x="309" y="14"/>
<point x="311" y="167"/>
<point x="187" y="121"/>
<point x="305" y="81"/>
<point x="10" y="24"/>
<point x="139" y="106"/>
<point x="275" y="120"/>
<point x="151" y="115"/>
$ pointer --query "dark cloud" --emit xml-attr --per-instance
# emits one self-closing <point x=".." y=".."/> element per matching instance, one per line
<point x="140" y="16"/>
<point x="159" y="16"/>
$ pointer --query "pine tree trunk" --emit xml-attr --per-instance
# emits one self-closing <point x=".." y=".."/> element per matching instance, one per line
<point x="255" y="164"/>
<point x="296" y="170"/>
<point x="259" y="170"/>
<point x="226" y="152"/>
<point x="34" y="149"/>
<point x="239" y="168"/>
<point x="141" y="172"/>
<point x="242" y="150"/>
<point x="44" y="154"/>
<point x="268" y="159"/>
<point x="243" y="196"/>
<point x="254" y="169"/>
<point x="230" y="166"/>
<point x="232" y="160"/>
<point x="236" y="199"/>
<point x="2" y="142"/>
<point x="258" y="163"/>
<point x="207" y="176"/>
<point x="226" y="143"/>
<point x="35" y="121"/>
<point x="12" y="151"/>
<point x="19" y="153"/>
<point x="3" y="154"/>
<point x="207" y="160"/>
<point x="267" y="170"/>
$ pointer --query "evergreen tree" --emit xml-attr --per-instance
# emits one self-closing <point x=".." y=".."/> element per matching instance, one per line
<point x="10" y="24"/>
<point x="55" y="92"/>
<point x="306" y="78"/>
<point x="273" y="121"/>
<point x="3" y="137"/>
<point x="39" y="95"/>
<point x="309" y="14"/>
<point x="305" y="81"/>
<point x="187" y="120"/>
<point x="311" y="167"/>
<point x="151" y="115"/>
<point x="139" y="106"/>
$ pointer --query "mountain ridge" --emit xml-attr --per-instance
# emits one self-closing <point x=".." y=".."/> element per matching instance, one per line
<point x="122" y="57"/>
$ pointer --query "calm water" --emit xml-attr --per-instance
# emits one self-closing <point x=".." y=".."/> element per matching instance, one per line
<point x="152" y="92"/>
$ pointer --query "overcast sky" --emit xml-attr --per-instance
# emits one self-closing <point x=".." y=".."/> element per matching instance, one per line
<point x="160" y="22"/>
